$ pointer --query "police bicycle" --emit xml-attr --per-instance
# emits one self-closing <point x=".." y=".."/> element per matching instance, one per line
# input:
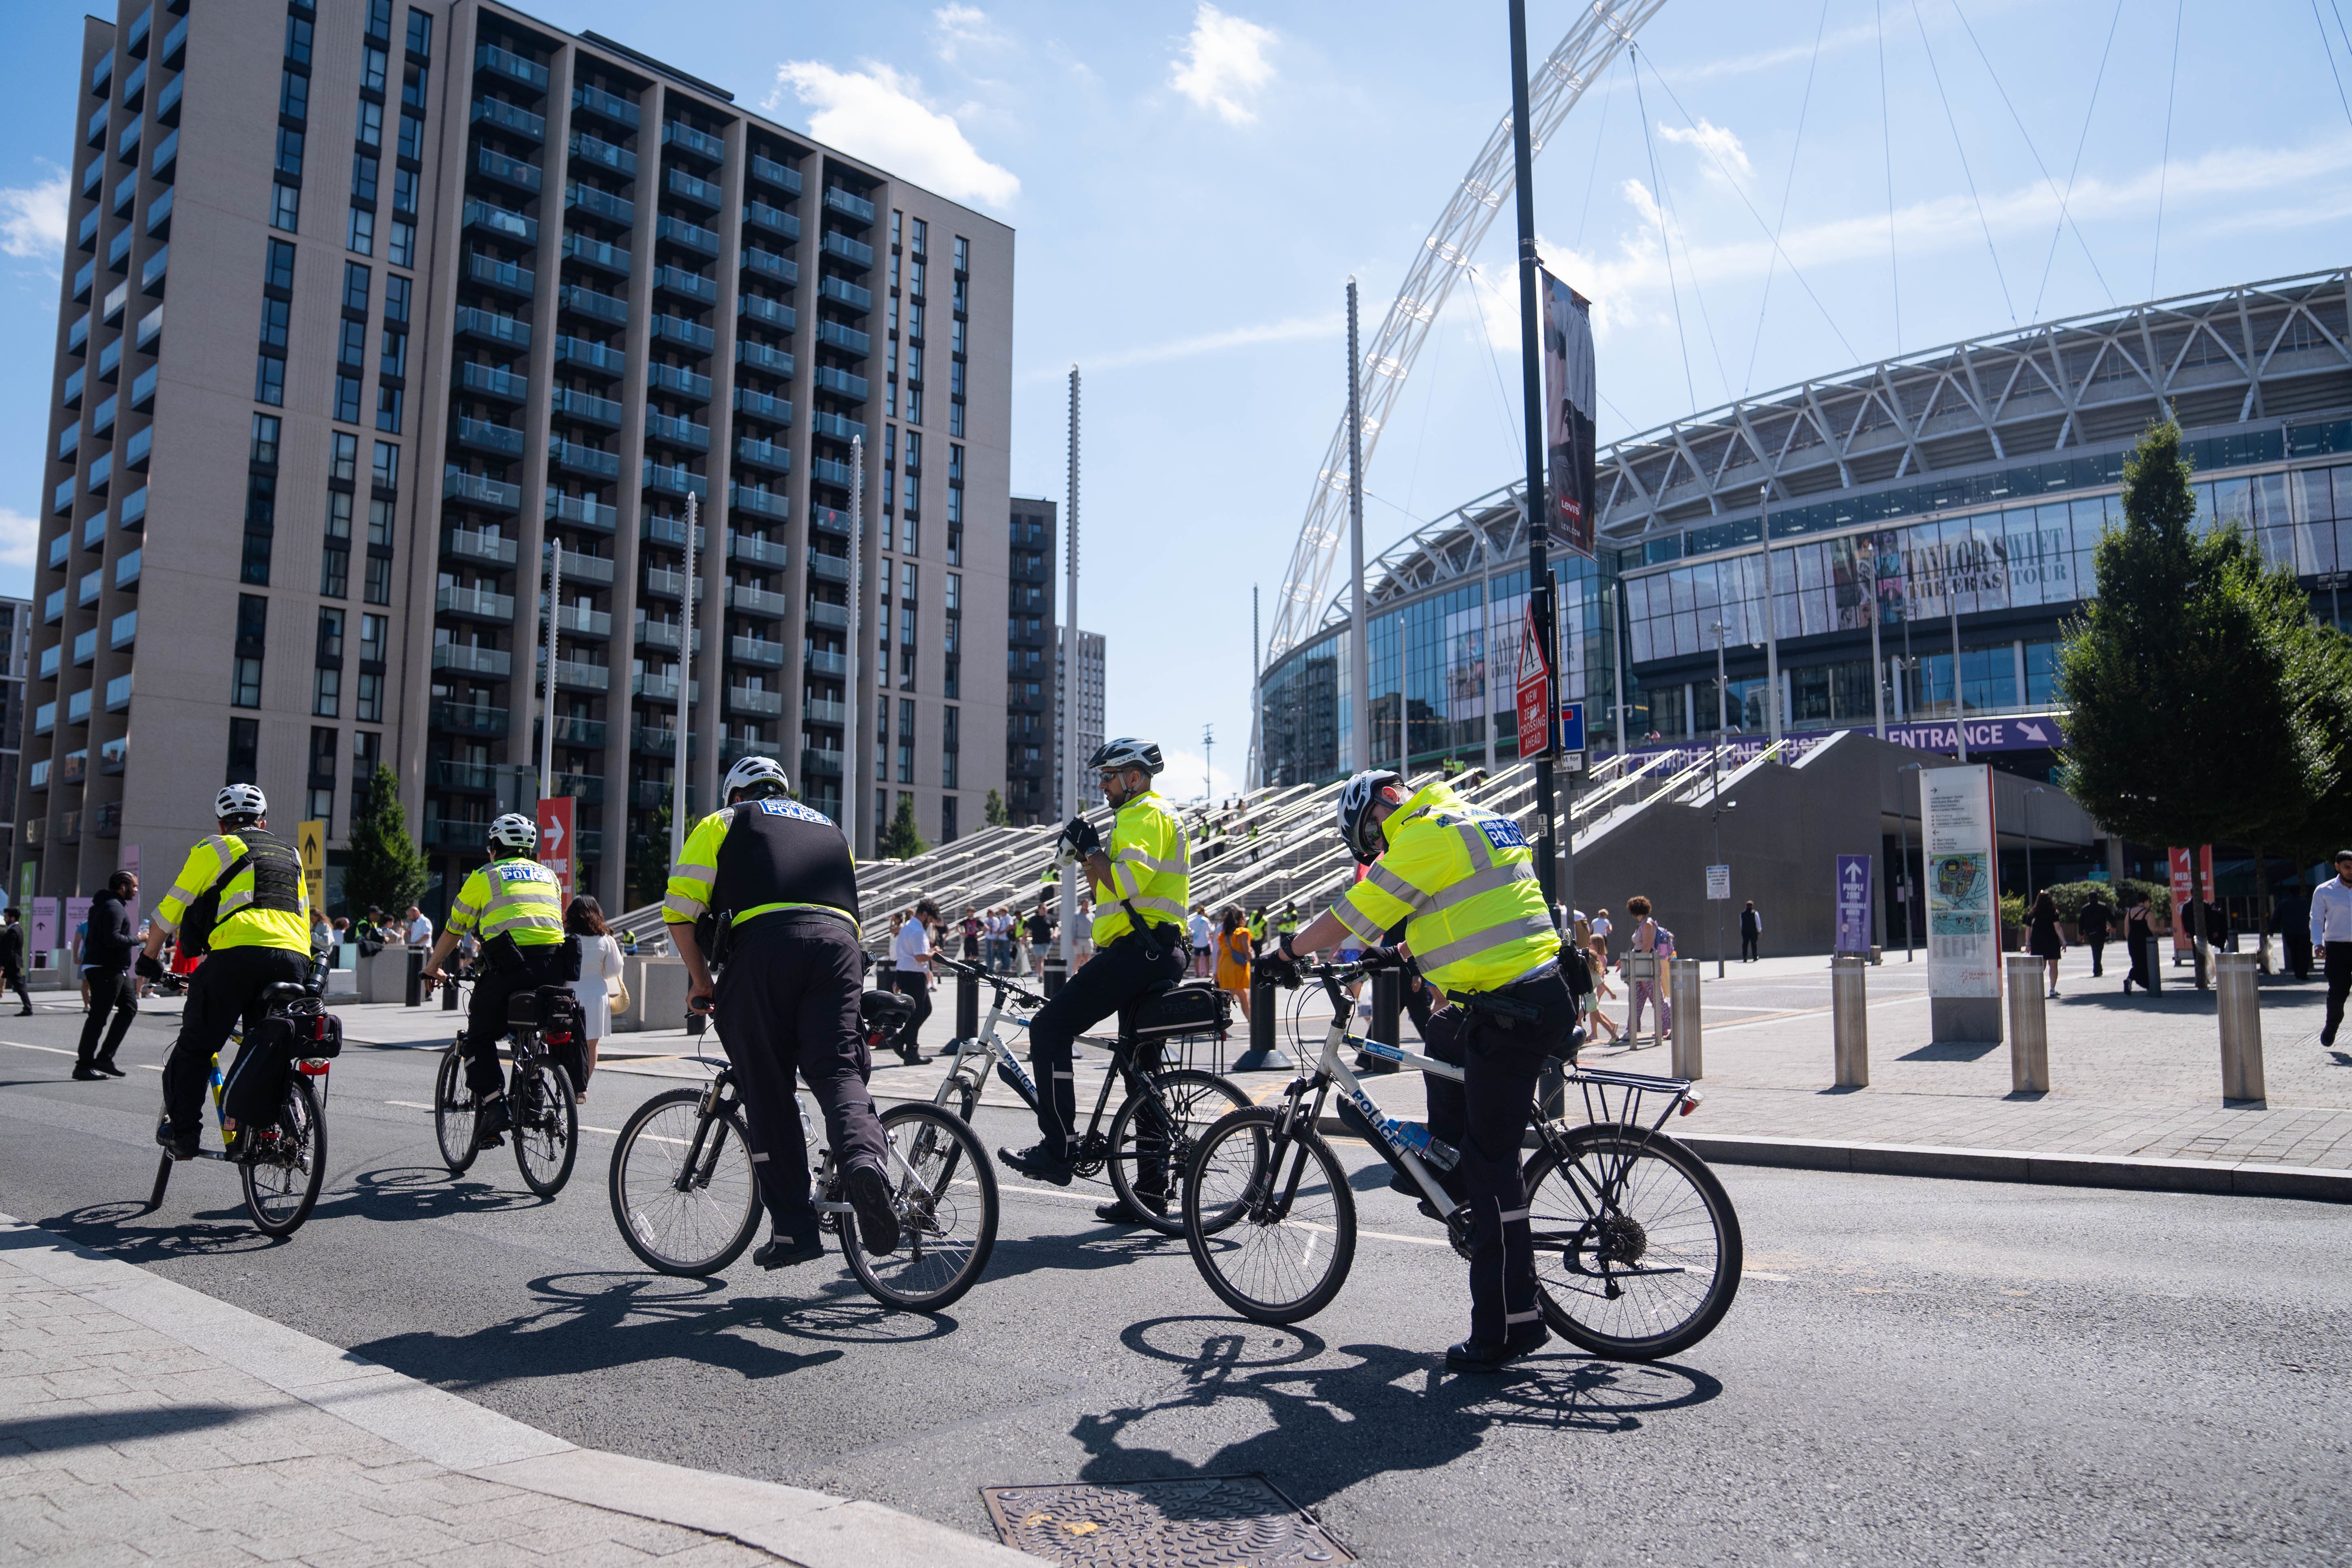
<point x="1637" y="1248"/>
<point x="280" y="1161"/>
<point x="1157" y="1124"/>
<point x="540" y="1098"/>
<point x="687" y="1201"/>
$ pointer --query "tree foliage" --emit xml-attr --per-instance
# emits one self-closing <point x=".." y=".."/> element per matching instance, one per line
<point x="649" y="859"/>
<point x="993" y="811"/>
<point x="386" y="870"/>
<point x="902" y="840"/>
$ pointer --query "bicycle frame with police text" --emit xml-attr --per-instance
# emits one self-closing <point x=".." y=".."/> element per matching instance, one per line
<point x="990" y="1046"/>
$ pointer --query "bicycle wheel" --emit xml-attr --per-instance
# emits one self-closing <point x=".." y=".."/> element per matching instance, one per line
<point x="453" y="1112"/>
<point x="944" y="1189"/>
<point x="1647" y="1273"/>
<point x="1158" y="1131"/>
<point x="683" y="1190"/>
<point x="546" y="1126"/>
<point x="287" y="1162"/>
<point x="1286" y="1251"/>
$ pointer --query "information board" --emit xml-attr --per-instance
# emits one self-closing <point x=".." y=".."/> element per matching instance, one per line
<point x="1963" y="883"/>
<point x="1718" y="882"/>
<point x="1854" y="904"/>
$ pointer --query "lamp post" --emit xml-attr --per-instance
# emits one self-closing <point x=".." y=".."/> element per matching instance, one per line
<point x="1771" y="623"/>
<point x="2334" y="583"/>
<point x="1714" y="823"/>
<point x="1722" y="714"/>
<point x="2027" y="811"/>
<point x="1909" y="893"/>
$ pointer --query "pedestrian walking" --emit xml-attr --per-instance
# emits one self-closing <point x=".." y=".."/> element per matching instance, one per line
<point x="2043" y="939"/>
<point x="910" y="975"/>
<point x="108" y="946"/>
<point x="1649" y="937"/>
<point x="2139" y="943"/>
<point x="1752" y="932"/>
<point x="2095" y="922"/>
<point x="598" y="985"/>
<point x="1234" y="958"/>
<point x="1040" y="931"/>
<point x="12" y="958"/>
<point x="2331" y="934"/>
<point x="2291" y="919"/>
<point x="1600" y="929"/>
<point x="1202" y="934"/>
<point x="972" y="927"/>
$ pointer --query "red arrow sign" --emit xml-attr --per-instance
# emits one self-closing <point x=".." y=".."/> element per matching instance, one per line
<point x="555" y="838"/>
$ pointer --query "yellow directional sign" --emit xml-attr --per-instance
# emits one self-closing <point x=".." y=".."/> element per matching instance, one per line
<point x="310" y="842"/>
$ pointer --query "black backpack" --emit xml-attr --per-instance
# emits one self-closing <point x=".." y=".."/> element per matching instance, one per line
<point x="276" y="885"/>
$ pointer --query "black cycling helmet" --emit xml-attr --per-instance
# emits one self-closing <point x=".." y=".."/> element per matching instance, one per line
<point x="1123" y="753"/>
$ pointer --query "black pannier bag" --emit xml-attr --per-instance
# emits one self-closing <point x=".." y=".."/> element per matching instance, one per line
<point x="1192" y="1006"/>
<point x="563" y="1026"/>
<point x="256" y="1086"/>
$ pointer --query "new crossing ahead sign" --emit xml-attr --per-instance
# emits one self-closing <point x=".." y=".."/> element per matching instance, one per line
<point x="1533" y="690"/>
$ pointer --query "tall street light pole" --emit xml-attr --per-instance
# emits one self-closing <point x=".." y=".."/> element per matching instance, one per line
<point x="1722" y="717"/>
<point x="1771" y="623"/>
<point x="1549" y="867"/>
<point x="2028" y="813"/>
<point x="1360" y="662"/>
<point x="1910" y="889"/>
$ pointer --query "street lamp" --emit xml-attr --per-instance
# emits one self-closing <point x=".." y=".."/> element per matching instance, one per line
<point x="2334" y="583"/>
<point x="2028" y="810"/>
<point x="1908" y="893"/>
<point x="1715" y="821"/>
<point x="1722" y="714"/>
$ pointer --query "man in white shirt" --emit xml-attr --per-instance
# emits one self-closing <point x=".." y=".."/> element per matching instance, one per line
<point x="1198" y="929"/>
<point x="910" y="974"/>
<point x="420" y="929"/>
<point x="2331" y="934"/>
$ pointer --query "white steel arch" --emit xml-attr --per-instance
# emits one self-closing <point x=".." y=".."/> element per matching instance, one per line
<point x="1590" y="47"/>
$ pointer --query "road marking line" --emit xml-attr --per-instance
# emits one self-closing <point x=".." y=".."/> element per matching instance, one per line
<point x="53" y="1050"/>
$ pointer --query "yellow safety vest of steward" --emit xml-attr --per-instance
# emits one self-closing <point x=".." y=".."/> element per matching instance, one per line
<point x="516" y="897"/>
<point x="1463" y="880"/>
<point x="1151" y="867"/>
<point x="280" y="918"/>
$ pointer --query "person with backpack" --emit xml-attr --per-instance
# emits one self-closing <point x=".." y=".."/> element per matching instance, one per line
<point x="241" y="898"/>
<point x="1649" y="937"/>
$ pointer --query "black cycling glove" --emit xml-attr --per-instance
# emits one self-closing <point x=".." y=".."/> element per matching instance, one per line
<point x="149" y="966"/>
<point x="1082" y="837"/>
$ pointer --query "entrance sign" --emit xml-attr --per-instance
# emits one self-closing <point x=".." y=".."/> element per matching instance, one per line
<point x="43" y="942"/>
<point x="555" y="835"/>
<point x="1854" y="904"/>
<point x="1534" y="689"/>
<point x="1718" y="882"/>
<point x="1963" y="903"/>
<point x="310" y="842"/>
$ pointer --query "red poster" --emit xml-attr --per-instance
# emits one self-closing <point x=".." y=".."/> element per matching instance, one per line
<point x="2182" y="894"/>
<point x="1533" y="690"/>
<point x="555" y="839"/>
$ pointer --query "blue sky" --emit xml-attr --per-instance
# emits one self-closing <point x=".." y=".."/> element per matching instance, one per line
<point x="1191" y="185"/>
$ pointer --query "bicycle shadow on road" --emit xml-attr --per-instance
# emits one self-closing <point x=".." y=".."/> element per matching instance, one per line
<point x="402" y="1192"/>
<point x="112" y="1228"/>
<point x="1097" y="1247"/>
<point x="1329" y="1427"/>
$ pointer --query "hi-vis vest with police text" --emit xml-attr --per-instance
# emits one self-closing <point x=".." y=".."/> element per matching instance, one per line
<point x="757" y="857"/>
<point x="1151" y="867"/>
<point x="1464" y="880"/>
<point x="516" y="897"/>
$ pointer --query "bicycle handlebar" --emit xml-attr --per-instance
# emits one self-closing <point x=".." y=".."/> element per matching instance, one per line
<point x="956" y="967"/>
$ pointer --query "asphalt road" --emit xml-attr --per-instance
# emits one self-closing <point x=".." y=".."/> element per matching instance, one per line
<point x="1914" y="1371"/>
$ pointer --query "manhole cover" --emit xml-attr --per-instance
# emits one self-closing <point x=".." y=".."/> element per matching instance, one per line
<point x="1205" y="1522"/>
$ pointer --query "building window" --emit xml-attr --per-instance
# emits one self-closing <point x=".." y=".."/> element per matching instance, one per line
<point x="245" y="685"/>
<point x="290" y="153"/>
<point x="327" y="694"/>
<point x="395" y="299"/>
<point x="269" y="380"/>
<point x="906" y="739"/>
<point x="322" y="806"/>
<point x="915" y="404"/>
<point x="260" y="523"/>
<point x="948" y="808"/>
<point x="244" y="751"/>
<point x="369" y="129"/>
<point x="265" y="439"/>
<point x="294" y="97"/>
<point x="274" y="314"/>
<point x="955" y="408"/>
<point x="371" y="699"/>
<point x="361" y="238"/>
<point x="373" y="68"/>
<point x="386" y="473"/>
<point x="394" y="362"/>
<point x="347" y="397"/>
<point x="917" y="230"/>
<point x="420" y="34"/>
<point x="343" y="461"/>
<point x="357" y="280"/>
<point x="335" y="571"/>
<point x="387" y="399"/>
<point x="400" y="251"/>
<point x="363" y="176"/>
<point x="379" y="580"/>
<point x="372" y="632"/>
<point x="286" y="207"/>
<point x="950" y="744"/>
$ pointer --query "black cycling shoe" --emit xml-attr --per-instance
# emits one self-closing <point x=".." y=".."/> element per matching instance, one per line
<point x="85" y="1073"/>
<point x="913" y="1058"/>
<point x="868" y="1191"/>
<point x="1486" y="1355"/>
<point x="181" y="1148"/>
<point x="781" y="1251"/>
<point x="1119" y="1211"/>
<point x="109" y="1070"/>
<point x="1039" y="1164"/>
<point x="490" y="1122"/>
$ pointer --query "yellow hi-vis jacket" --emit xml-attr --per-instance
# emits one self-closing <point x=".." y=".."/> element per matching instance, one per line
<point x="1464" y="880"/>
<point x="516" y="897"/>
<point x="239" y="925"/>
<point x="1151" y="867"/>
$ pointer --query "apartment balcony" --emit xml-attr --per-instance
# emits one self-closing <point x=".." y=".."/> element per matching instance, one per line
<point x="673" y="479"/>
<point x="570" y="731"/>
<point x="734" y="749"/>
<point x="831" y="472"/>
<point x="602" y="155"/>
<point x="664" y="688"/>
<point x="586" y="408"/>
<point x="823" y="568"/>
<point x="582" y="568"/>
<point x="838" y="426"/>
<point x="595" y="624"/>
<point x="486" y="218"/>
<point x="684" y="285"/>
<point x="704" y="193"/>
<point x="114" y="755"/>
<point x="578" y="298"/>
<point x="855" y="252"/>
<point x="764" y="405"/>
<point x="583" y="354"/>
<point x="762" y="651"/>
<point x="661" y="637"/>
<point x="588" y="789"/>
<point x="661" y="741"/>
<point x="482" y="435"/>
<point x="574" y="458"/>
<point x="671" y="531"/>
<point x="751" y="601"/>
<point x="772" y="456"/>
<point x="477" y="548"/>
<point x="117" y="694"/>
<point x="489" y="381"/>
<point x="467" y="658"/>
<point x="818" y="661"/>
<point x="677" y="431"/>
<point x="602" y="206"/>
<point x="678" y="381"/>
<point x="848" y="206"/>
<point x="686" y="334"/>
<point x="492" y="495"/>
<point x="490" y="327"/>
<point x="577" y="675"/>
<point x="474" y="604"/>
<point x="470" y="718"/>
<point x="511" y="172"/>
<point x="770" y="505"/>
<point x="167" y="102"/>
<point x="825" y="519"/>
<point x="765" y="357"/>
<point x="821" y="761"/>
<point x="825" y="616"/>
<point x="583" y="512"/>
<point x="513" y="68"/>
<point x="686" y="236"/>
<point x="454" y="833"/>
<point x="772" y="220"/>
<point x="618" y="112"/>
<point x="841" y="383"/>
<point x="843" y="292"/>
<point x="769" y="265"/>
<point x="755" y="701"/>
<point x="467" y="778"/>
<point x="757" y="552"/>
<point x="769" y="313"/>
<point x="778" y="176"/>
<point x="126" y="570"/>
<point x="849" y="340"/>
<point x="505" y="117"/>
<point x="509" y="278"/>
<point x="686" y="137"/>
<point x="661" y="582"/>
<point x="600" y="254"/>
<point x="823" y="710"/>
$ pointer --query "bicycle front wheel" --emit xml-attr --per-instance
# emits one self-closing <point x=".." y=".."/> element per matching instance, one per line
<point x="1637" y="1248"/>
<point x="453" y="1112"/>
<point x="1153" y="1136"/>
<point x="546" y="1126"/>
<point x="944" y="1190"/>
<point x="1269" y="1218"/>
<point x="682" y="1186"/>
<point x="286" y="1162"/>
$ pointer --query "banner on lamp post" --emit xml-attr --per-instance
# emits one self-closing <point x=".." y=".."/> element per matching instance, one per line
<point x="1571" y="384"/>
<point x="555" y="847"/>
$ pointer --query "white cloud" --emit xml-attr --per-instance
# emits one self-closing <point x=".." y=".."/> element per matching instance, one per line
<point x="1722" y="147"/>
<point x="957" y="29"/>
<point x="33" y="220"/>
<point x="18" y="535"/>
<point x="877" y="114"/>
<point x="1224" y="65"/>
<point x="1295" y="330"/>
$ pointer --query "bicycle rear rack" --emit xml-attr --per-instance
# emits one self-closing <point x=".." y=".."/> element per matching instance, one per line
<point x="1623" y="1098"/>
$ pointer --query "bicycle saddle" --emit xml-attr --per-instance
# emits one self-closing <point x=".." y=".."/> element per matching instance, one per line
<point x="886" y="1008"/>
<point x="283" y="991"/>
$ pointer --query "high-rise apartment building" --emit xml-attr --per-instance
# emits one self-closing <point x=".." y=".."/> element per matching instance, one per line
<point x="457" y="290"/>
<point x="1032" y="752"/>
<point x="16" y="631"/>
<point x="1086" y="713"/>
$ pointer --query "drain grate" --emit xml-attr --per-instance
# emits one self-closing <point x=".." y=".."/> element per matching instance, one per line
<point x="1202" y="1521"/>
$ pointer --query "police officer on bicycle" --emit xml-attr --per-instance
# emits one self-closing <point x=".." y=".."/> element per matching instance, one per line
<point x="1142" y="887"/>
<point x="1464" y="881"/>
<point x="515" y="906"/>
<point x="241" y="898"/>
<point x="778" y="878"/>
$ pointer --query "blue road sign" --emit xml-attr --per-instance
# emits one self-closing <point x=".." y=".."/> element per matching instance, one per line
<point x="1571" y="728"/>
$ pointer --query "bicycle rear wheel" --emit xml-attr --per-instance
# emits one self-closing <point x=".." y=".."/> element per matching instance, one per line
<point x="546" y="1126"/>
<point x="286" y="1162"/>
<point x="453" y="1112"/>
<point x="944" y="1190"/>
<point x="1160" y="1130"/>
<point x="682" y="1186"/>
<point x="1288" y="1235"/>
<point x="1647" y="1273"/>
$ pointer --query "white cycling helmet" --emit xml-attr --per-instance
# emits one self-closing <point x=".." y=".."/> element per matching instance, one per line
<point x="513" y="832"/>
<point x="1356" y="798"/>
<point x="762" y="775"/>
<point x="1124" y="753"/>
<point x="240" y="800"/>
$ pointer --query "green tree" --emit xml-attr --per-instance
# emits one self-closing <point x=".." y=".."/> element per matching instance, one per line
<point x="993" y="811"/>
<point x="649" y="859"/>
<point x="387" y="868"/>
<point x="2190" y="679"/>
<point x="902" y="840"/>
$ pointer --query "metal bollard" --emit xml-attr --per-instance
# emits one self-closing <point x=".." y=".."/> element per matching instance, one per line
<point x="2029" y="1025"/>
<point x="1850" y="1022"/>
<point x="1686" y="987"/>
<point x="1387" y="1027"/>
<point x="1265" y="1007"/>
<point x="967" y="1007"/>
<point x="415" y="977"/>
<point x="2241" y="1025"/>
<point x="1637" y="969"/>
<point x="1054" y="974"/>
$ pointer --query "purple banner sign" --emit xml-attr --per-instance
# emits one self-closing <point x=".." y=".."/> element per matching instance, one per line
<point x="2015" y="732"/>
<point x="1854" y="904"/>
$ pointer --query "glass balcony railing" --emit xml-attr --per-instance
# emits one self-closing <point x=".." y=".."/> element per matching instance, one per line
<point x="574" y="457"/>
<point x="683" y="333"/>
<point x="828" y="568"/>
<point x="613" y="110"/>
<point x="819" y="711"/>
<point x="599" y="204"/>
<point x="472" y="321"/>
<point x="764" y="405"/>
<point x="704" y="193"/>
<point x="849" y="340"/>
<point x="761" y="356"/>
<point x="475" y="547"/>
<point x="604" y="154"/>
<point x="754" y="551"/>
<point x="478" y="604"/>
<point x="679" y="380"/>
<point x="507" y="277"/>
<point x="767" y="312"/>
<point x="509" y="119"/>
<point x="761" y="601"/>
<point x="841" y="381"/>
<point x="685" y="285"/>
<point x="482" y="435"/>
<point x="856" y="252"/>
<point x="822" y="661"/>
<point x="768" y="263"/>
<point x="581" y="511"/>
<point x="838" y="426"/>
<point x="496" y="494"/>
<point x="701" y="143"/>
<point x="756" y="650"/>
<point x="821" y="761"/>
<point x="489" y="381"/>
<point x="587" y="301"/>
<point x="674" y="479"/>
<point x="846" y="292"/>
<point x="692" y="235"/>
<point x="774" y="456"/>
<point x="773" y="220"/>
<point x="761" y="503"/>
<point x="513" y="66"/>
<point x="678" y="431"/>
<point x="781" y="177"/>
<point x="831" y="617"/>
<point x="497" y="220"/>
<point x="570" y="403"/>
<point x="756" y="700"/>
<point x="506" y="171"/>
<point x="848" y="206"/>
<point x="468" y="659"/>
<point x="590" y="355"/>
<point x="599" y="254"/>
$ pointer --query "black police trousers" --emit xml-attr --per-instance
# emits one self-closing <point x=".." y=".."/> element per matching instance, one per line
<point x="1485" y="1117"/>
<point x="1117" y="975"/>
<point x="485" y="1015"/>
<point x="226" y="988"/>
<point x="787" y="1002"/>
